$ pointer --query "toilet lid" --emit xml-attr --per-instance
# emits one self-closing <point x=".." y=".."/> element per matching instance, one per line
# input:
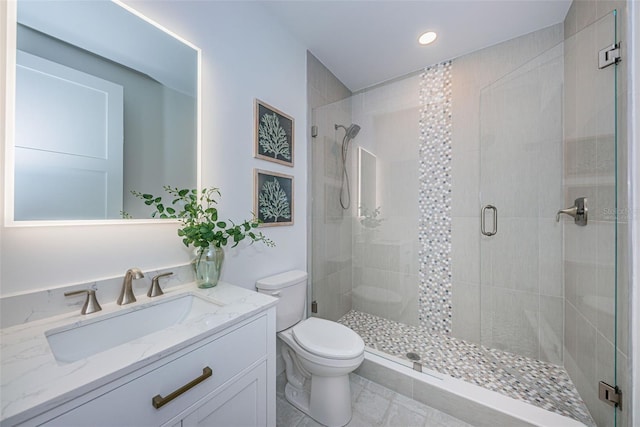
<point x="327" y="339"/>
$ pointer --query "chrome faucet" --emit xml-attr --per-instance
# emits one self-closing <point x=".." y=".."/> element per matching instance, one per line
<point x="126" y="294"/>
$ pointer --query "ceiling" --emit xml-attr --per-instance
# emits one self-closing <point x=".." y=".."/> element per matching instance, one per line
<point x="368" y="42"/>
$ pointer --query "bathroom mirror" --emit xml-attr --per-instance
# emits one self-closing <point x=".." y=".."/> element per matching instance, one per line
<point x="106" y="102"/>
<point x="366" y="182"/>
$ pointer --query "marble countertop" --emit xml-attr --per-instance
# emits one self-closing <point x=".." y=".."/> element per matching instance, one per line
<point x="33" y="381"/>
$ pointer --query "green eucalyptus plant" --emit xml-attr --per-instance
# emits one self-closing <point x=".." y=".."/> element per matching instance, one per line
<point x="199" y="216"/>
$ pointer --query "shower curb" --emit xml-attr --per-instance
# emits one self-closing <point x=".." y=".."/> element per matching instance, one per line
<point x="467" y="402"/>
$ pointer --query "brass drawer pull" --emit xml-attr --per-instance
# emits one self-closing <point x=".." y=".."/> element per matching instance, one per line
<point x="159" y="401"/>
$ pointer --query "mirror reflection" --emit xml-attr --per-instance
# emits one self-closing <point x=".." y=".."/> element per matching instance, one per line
<point x="106" y="103"/>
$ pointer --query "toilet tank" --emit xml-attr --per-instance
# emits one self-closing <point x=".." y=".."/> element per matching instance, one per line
<point x="291" y="290"/>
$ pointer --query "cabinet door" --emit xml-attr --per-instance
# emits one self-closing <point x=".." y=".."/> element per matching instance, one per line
<point x="242" y="404"/>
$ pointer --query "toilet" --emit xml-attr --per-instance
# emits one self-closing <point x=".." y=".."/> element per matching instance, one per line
<point x="318" y="354"/>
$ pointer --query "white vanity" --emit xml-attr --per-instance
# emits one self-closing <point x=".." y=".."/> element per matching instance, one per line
<point x="213" y="364"/>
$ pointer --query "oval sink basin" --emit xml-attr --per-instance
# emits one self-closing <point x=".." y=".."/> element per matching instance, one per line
<point x="80" y="340"/>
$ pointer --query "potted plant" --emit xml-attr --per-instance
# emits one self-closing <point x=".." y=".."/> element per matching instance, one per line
<point x="202" y="229"/>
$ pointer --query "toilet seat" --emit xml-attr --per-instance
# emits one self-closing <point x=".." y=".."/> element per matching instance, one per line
<point x="327" y="339"/>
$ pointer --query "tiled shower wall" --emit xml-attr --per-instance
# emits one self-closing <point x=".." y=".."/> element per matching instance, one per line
<point x="434" y="199"/>
<point x="589" y="171"/>
<point x="331" y="227"/>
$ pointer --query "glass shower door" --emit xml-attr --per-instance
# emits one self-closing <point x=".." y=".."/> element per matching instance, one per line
<point x="521" y="191"/>
<point x="549" y="281"/>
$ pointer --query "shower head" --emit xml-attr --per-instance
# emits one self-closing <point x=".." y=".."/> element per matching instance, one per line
<point x="350" y="132"/>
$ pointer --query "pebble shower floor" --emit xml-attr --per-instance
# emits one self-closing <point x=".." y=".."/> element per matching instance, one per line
<point x="539" y="383"/>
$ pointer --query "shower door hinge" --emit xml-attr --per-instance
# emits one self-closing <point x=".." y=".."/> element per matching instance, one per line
<point x="314" y="306"/>
<point x="610" y="395"/>
<point x="609" y="55"/>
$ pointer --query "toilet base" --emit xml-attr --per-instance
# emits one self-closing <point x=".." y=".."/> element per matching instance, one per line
<point x="328" y="402"/>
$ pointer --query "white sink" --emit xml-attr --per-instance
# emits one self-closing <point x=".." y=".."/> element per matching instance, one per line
<point x="78" y="341"/>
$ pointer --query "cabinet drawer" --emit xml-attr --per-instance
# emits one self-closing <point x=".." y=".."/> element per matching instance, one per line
<point x="131" y="405"/>
<point x="242" y="403"/>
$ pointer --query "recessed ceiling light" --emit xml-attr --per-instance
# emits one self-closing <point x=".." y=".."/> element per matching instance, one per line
<point x="426" y="38"/>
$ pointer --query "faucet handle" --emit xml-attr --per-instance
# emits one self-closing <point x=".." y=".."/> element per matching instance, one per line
<point x="155" y="290"/>
<point x="91" y="304"/>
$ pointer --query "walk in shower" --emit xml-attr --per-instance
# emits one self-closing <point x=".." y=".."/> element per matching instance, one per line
<point x="453" y="253"/>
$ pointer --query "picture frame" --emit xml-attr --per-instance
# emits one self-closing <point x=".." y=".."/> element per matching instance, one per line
<point x="273" y="134"/>
<point x="273" y="202"/>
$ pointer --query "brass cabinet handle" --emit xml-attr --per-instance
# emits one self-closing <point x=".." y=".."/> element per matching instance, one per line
<point x="159" y="401"/>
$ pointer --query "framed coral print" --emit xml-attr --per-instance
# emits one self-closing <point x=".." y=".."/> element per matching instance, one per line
<point x="273" y="134"/>
<point x="273" y="198"/>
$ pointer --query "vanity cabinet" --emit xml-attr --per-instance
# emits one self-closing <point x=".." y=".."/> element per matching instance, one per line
<point x="240" y="390"/>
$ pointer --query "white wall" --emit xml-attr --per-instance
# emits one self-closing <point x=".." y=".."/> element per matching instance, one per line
<point x="245" y="55"/>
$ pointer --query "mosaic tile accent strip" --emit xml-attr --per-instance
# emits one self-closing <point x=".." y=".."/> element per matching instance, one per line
<point x="434" y="199"/>
<point x="539" y="383"/>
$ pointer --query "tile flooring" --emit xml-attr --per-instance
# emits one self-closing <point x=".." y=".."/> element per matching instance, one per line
<point x="373" y="405"/>
<point x="533" y="381"/>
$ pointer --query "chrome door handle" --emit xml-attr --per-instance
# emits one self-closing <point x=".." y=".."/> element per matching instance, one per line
<point x="495" y="220"/>
<point x="578" y="211"/>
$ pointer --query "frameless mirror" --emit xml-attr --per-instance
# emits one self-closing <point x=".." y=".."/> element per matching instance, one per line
<point x="105" y="103"/>
<point x="366" y="182"/>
